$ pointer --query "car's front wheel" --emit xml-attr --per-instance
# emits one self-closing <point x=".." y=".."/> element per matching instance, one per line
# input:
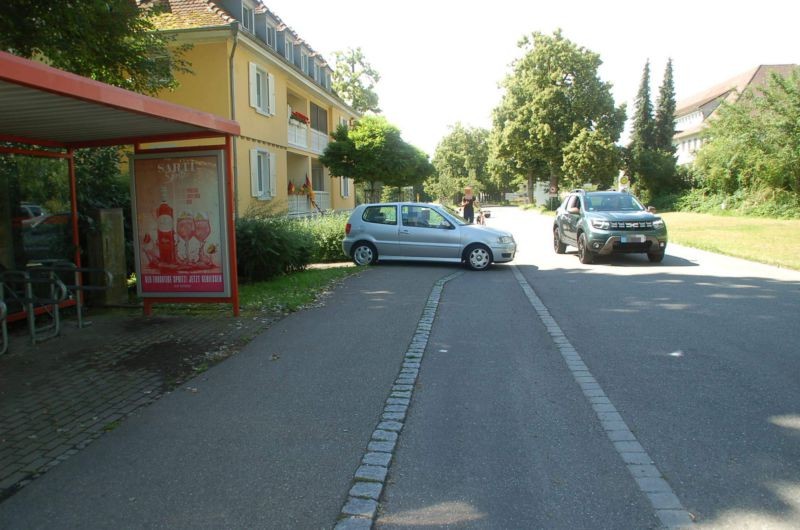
<point x="584" y="254"/>
<point x="558" y="246"/>
<point x="478" y="257"/>
<point x="364" y="254"/>
<point x="655" y="257"/>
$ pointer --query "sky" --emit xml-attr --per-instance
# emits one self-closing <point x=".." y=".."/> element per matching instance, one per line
<point x="441" y="61"/>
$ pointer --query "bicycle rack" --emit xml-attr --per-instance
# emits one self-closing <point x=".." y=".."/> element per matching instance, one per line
<point x="20" y="286"/>
<point x="77" y="287"/>
<point x="3" y="327"/>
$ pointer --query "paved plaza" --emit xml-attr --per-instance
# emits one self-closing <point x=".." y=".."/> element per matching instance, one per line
<point x="58" y="396"/>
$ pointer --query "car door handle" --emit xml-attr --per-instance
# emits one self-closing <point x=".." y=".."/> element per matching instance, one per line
<point x="404" y="231"/>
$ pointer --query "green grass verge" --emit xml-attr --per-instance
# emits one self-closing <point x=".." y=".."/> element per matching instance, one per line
<point x="291" y="292"/>
<point x="771" y="241"/>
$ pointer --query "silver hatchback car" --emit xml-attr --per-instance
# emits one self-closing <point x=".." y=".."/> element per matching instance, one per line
<point x="413" y="231"/>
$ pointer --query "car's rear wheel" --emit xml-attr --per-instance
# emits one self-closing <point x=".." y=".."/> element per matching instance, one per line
<point x="478" y="257"/>
<point x="558" y="246"/>
<point x="584" y="254"/>
<point x="655" y="257"/>
<point x="364" y="254"/>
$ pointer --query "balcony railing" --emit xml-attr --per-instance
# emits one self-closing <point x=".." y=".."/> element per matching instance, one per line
<point x="319" y="141"/>
<point x="298" y="134"/>
<point x="300" y="205"/>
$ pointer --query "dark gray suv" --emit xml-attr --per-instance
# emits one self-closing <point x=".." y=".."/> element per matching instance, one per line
<point x="606" y="222"/>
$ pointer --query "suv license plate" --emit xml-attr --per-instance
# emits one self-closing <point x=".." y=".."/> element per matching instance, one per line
<point x="633" y="238"/>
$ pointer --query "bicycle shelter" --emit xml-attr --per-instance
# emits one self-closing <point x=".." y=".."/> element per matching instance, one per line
<point x="49" y="113"/>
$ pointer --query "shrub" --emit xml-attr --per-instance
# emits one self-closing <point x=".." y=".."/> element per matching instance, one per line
<point x="776" y="204"/>
<point x="267" y="247"/>
<point x="327" y="232"/>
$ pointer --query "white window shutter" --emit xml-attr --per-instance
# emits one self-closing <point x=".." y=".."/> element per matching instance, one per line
<point x="253" y="85"/>
<point x="341" y="187"/>
<point x="271" y="110"/>
<point x="273" y="176"/>
<point x="254" y="188"/>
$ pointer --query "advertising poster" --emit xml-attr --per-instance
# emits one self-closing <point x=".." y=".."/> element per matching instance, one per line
<point x="179" y="208"/>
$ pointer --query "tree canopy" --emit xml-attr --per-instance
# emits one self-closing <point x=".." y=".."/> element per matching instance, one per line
<point x="354" y="81"/>
<point x="552" y="96"/>
<point x="461" y="159"/>
<point x="113" y="41"/>
<point x="373" y="152"/>
<point x="643" y="130"/>
<point x="664" y="127"/>
<point x="755" y="143"/>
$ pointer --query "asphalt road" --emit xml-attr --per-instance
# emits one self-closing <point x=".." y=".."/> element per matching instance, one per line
<point x="551" y="395"/>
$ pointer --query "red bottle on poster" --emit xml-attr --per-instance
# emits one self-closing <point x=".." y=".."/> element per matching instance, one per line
<point x="166" y="231"/>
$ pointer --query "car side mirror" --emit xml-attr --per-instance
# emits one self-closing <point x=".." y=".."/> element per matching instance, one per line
<point x="651" y="209"/>
<point x="574" y="210"/>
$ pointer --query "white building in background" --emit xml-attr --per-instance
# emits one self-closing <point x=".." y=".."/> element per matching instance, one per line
<point x="692" y="114"/>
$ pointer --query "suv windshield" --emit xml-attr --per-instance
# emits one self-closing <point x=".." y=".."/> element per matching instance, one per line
<point x="612" y="202"/>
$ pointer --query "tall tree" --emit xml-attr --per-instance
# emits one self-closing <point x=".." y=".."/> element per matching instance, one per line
<point x="665" y="113"/>
<point x="354" y="81"/>
<point x="113" y="41"/>
<point x="591" y="153"/>
<point x="650" y="155"/>
<point x="642" y="133"/>
<point x="552" y="95"/>
<point x="373" y="153"/>
<point x="461" y="159"/>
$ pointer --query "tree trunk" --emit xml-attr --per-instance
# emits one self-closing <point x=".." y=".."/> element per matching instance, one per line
<point x="552" y="197"/>
<point x="531" y="183"/>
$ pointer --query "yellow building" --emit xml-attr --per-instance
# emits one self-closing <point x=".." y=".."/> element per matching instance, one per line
<point x="251" y="67"/>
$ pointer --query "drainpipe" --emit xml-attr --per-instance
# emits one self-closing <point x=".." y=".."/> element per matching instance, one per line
<point x="232" y="77"/>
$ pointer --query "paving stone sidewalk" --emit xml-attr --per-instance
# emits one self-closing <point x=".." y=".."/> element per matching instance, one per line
<point x="60" y="395"/>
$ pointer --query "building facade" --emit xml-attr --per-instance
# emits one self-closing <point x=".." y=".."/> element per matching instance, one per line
<point x="251" y="67"/>
<point x="692" y="114"/>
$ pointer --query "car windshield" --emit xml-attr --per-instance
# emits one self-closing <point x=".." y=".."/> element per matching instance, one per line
<point x="612" y="202"/>
<point x="454" y="214"/>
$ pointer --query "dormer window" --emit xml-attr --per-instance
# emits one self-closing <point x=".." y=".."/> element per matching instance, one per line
<point x="304" y="62"/>
<point x="272" y="41"/>
<point x="288" y="50"/>
<point x="248" y="17"/>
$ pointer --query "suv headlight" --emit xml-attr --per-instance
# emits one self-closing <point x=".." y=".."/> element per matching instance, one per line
<point x="601" y="224"/>
<point x="505" y="240"/>
<point x="658" y="224"/>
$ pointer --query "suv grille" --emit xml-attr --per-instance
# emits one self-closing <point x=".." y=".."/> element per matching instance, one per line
<point x="632" y="225"/>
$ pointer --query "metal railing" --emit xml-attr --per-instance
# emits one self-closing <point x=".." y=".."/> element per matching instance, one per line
<point x="3" y="328"/>
<point x="76" y="287"/>
<point x="40" y="292"/>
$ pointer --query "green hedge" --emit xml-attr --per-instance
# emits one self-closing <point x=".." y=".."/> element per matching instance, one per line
<point x="270" y="246"/>
<point x="327" y="232"/>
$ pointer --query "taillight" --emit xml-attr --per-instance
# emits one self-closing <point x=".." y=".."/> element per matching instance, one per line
<point x="347" y="228"/>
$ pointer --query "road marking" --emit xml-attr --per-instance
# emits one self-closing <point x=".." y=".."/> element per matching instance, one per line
<point x="651" y="482"/>
<point x="361" y="506"/>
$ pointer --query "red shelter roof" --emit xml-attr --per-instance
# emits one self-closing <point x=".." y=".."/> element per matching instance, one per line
<point x="41" y="105"/>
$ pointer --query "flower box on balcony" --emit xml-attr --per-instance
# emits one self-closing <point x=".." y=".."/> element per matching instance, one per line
<point x="300" y="117"/>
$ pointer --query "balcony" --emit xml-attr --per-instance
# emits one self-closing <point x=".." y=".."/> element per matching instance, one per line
<point x="319" y="141"/>
<point x="300" y="205"/>
<point x="298" y="134"/>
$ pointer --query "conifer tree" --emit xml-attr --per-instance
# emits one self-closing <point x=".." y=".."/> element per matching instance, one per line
<point x="665" y="112"/>
<point x="642" y="135"/>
